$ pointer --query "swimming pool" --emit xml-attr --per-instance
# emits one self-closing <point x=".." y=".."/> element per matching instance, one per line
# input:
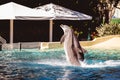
<point x="51" y="65"/>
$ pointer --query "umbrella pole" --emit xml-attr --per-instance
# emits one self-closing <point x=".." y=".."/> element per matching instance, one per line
<point x="51" y="31"/>
<point x="11" y="33"/>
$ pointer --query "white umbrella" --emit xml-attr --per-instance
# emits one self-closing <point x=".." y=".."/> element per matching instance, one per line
<point x="57" y="12"/>
<point x="11" y="11"/>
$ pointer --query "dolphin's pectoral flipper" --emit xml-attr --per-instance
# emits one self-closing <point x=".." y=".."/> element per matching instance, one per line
<point x="62" y="39"/>
<point x="80" y="54"/>
<point x="83" y="50"/>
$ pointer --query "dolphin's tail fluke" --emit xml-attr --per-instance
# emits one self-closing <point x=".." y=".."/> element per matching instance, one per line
<point x="83" y="50"/>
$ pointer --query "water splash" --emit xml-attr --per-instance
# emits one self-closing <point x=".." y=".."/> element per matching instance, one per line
<point x="85" y="64"/>
<point x="108" y="63"/>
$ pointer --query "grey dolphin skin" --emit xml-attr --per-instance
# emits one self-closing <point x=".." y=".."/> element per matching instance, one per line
<point x="74" y="52"/>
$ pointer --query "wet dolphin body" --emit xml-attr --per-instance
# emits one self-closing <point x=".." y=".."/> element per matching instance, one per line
<point x="74" y="52"/>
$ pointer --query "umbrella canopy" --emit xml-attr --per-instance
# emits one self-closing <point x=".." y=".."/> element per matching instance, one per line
<point x="13" y="10"/>
<point x="60" y="13"/>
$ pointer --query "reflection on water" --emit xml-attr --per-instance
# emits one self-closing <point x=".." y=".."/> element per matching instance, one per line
<point x="51" y="65"/>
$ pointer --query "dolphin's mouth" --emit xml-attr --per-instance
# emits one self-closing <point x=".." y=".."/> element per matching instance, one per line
<point x="61" y="25"/>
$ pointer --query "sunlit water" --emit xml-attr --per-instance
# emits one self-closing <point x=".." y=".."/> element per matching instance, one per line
<point x="51" y="65"/>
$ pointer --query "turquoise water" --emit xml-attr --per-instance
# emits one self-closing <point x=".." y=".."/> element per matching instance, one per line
<point x="51" y="65"/>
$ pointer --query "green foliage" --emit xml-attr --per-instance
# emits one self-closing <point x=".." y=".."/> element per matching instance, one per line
<point x="108" y="29"/>
<point x="76" y="32"/>
<point x="115" y="21"/>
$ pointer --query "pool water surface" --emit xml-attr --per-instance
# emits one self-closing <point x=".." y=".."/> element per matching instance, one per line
<point x="51" y="65"/>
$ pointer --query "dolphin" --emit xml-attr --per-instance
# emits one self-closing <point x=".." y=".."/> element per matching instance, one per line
<point x="74" y="52"/>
